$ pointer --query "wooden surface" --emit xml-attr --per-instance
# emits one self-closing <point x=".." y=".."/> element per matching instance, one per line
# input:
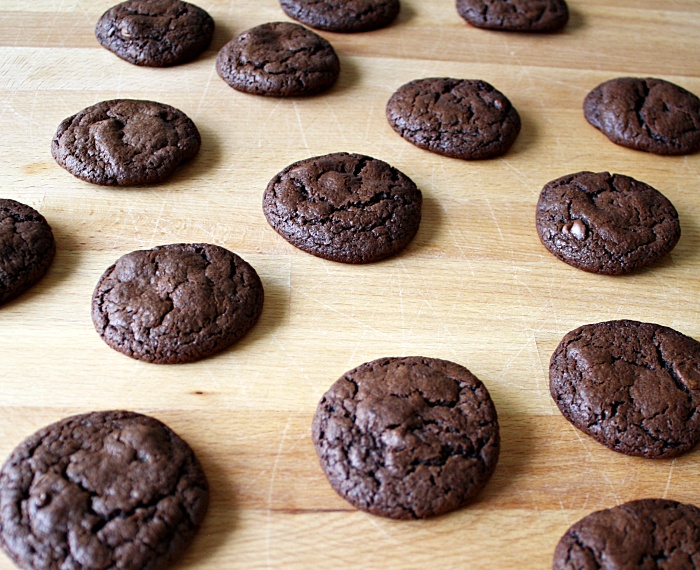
<point x="475" y="286"/>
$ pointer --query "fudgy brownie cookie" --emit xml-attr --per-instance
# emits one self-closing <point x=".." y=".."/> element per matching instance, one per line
<point x="108" y="489"/>
<point x="606" y="223"/>
<point x="155" y="33"/>
<point x="279" y="59"/>
<point x="344" y="207"/>
<point x="515" y="15"/>
<point x="176" y="303"/>
<point x="407" y="438"/>
<point x="649" y="533"/>
<point x="125" y="142"/>
<point x="342" y="15"/>
<point x="461" y="118"/>
<point x="634" y="387"/>
<point x="27" y="248"/>
<point x="646" y="114"/>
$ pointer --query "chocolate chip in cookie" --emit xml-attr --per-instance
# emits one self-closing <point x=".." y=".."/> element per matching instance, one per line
<point x="109" y="489"/>
<point x="407" y="438"/>
<point x="176" y="303"/>
<point x="460" y="118"/>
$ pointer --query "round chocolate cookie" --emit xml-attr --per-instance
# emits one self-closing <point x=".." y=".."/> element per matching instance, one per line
<point x="344" y="207"/>
<point x="515" y="15"/>
<point x="27" y="248"/>
<point x="279" y="59"/>
<point x="108" y="489"/>
<point x="646" y="114"/>
<point x="345" y="16"/>
<point x="650" y="533"/>
<point x="461" y="118"/>
<point x="634" y="387"/>
<point x="156" y="33"/>
<point x="606" y="223"/>
<point x="125" y="142"/>
<point x="407" y="438"/>
<point x="176" y="303"/>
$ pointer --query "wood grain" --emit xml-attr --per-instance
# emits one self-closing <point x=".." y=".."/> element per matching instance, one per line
<point x="475" y="286"/>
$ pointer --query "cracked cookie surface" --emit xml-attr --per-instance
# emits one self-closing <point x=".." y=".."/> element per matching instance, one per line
<point x="102" y="490"/>
<point x="407" y="438"/>
<point x="346" y="16"/>
<point x="155" y="33"/>
<point x="515" y="15"/>
<point x="460" y="118"/>
<point x="27" y="248"/>
<point x="176" y="303"/>
<point x="125" y="142"/>
<point x="606" y="223"/>
<point x="344" y="207"/>
<point x="632" y="386"/>
<point x="279" y="59"/>
<point x="649" y="533"/>
<point x="646" y="114"/>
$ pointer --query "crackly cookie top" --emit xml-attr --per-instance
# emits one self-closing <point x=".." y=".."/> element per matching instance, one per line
<point x="110" y="489"/>
<point x="649" y="533"/>
<point x="461" y="118"/>
<point x="632" y="386"/>
<point x="344" y="207"/>
<point x="606" y="223"/>
<point x="407" y="438"/>
<point x="646" y="114"/>
<point x="125" y="142"/>
<point x="278" y="59"/>
<point x="155" y="33"/>
<point x="515" y="15"/>
<point x="27" y="248"/>
<point x="176" y="303"/>
<point x="342" y="15"/>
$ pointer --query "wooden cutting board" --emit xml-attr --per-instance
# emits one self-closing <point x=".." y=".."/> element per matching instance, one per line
<point x="475" y="287"/>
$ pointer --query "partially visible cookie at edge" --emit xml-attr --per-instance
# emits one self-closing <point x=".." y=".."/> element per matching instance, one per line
<point x="606" y="223"/>
<point x="125" y="142"/>
<point x="110" y="489"/>
<point x="637" y="534"/>
<point x="344" y="207"/>
<point x="515" y="15"/>
<point x="459" y="118"/>
<point x="155" y="33"/>
<point x="278" y="59"/>
<point x="27" y="248"/>
<point x="632" y="386"/>
<point x="345" y="16"/>
<point x="176" y="303"/>
<point x="646" y="114"/>
<point x="407" y="438"/>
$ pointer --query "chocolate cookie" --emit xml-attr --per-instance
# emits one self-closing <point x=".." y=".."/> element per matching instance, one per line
<point x="125" y="142"/>
<point x="342" y="15"/>
<point x="156" y="33"/>
<point x="634" y="387"/>
<point x="515" y="15"/>
<point x="344" y="207"/>
<point x="101" y="490"/>
<point x="646" y="114"/>
<point x="407" y="438"/>
<point x="279" y="59"/>
<point x="27" y="248"/>
<point x="461" y="118"/>
<point x="176" y="303"/>
<point x="606" y="223"/>
<point x="650" y="533"/>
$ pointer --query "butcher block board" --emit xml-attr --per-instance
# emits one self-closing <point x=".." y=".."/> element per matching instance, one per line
<point x="475" y="286"/>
